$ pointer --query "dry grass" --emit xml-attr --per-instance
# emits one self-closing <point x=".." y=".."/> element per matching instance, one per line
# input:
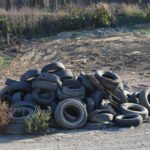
<point x="28" y="22"/>
<point x="4" y="115"/>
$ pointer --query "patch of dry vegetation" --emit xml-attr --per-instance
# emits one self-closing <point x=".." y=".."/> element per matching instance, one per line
<point x="27" y="22"/>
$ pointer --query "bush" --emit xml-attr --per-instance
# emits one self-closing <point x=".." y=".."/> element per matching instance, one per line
<point x="92" y="16"/>
<point x="4" y="115"/>
<point x="4" y="28"/>
<point x="38" y="121"/>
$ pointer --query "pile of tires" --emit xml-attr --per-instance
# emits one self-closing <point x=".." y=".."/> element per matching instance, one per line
<point x="75" y="100"/>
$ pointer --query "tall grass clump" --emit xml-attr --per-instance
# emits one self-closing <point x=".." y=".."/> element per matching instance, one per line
<point x="28" y="21"/>
<point x="38" y="121"/>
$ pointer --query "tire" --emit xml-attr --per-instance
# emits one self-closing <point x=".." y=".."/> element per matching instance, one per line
<point x="118" y="95"/>
<point x="89" y="104"/>
<point x="24" y="104"/>
<point x="17" y="97"/>
<point x="53" y="67"/>
<point x="95" y="82"/>
<point x="4" y="90"/>
<point x="127" y="120"/>
<point x="86" y="83"/>
<point x="9" y="81"/>
<point x="62" y="96"/>
<point x="13" y="128"/>
<point x="73" y="82"/>
<point x="78" y="107"/>
<point x="98" y="96"/>
<point x="144" y="98"/>
<point x="44" y="95"/>
<point x="108" y="79"/>
<point x="134" y="99"/>
<point x="100" y="116"/>
<point x="42" y="101"/>
<point x="19" y="115"/>
<point x="73" y="91"/>
<point x="127" y="94"/>
<point x="131" y="108"/>
<point x="70" y="117"/>
<point x="53" y="106"/>
<point x="19" y="86"/>
<point x="28" y="98"/>
<point x="30" y="75"/>
<point x="64" y="74"/>
<point x="111" y="107"/>
<point x="44" y="85"/>
<point x="50" y="78"/>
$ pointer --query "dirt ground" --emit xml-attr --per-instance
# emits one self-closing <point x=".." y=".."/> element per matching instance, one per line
<point x="123" y="51"/>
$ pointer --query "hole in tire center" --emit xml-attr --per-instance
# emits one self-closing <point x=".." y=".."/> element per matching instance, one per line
<point x="21" y="113"/>
<point x="133" y="109"/>
<point x="148" y="97"/>
<point x="108" y="76"/>
<point x="73" y="111"/>
<point x="128" y="117"/>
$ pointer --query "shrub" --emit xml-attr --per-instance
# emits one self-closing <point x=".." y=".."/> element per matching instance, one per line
<point x="4" y="115"/>
<point x="38" y="121"/>
<point x="4" y="28"/>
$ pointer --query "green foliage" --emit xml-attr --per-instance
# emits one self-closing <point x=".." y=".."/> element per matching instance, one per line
<point x="5" y="60"/>
<point x="38" y="121"/>
<point x="92" y="16"/>
<point x="4" y="28"/>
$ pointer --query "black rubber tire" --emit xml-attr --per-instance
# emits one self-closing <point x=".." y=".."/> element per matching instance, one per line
<point x="132" y="108"/>
<point x="42" y="101"/>
<point x="73" y="91"/>
<point x="144" y="98"/>
<point x="98" y="96"/>
<point x="4" y="90"/>
<point x="73" y="82"/>
<point x="44" y="85"/>
<point x="24" y="104"/>
<point x="80" y="110"/>
<point x="100" y="116"/>
<point x="108" y="79"/>
<point x="13" y="128"/>
<point x="127" y="120"/>
<point x="44" y="95"/>
<point x="111" y="107"/>
<point x="95" y="82"/>
<point x="19" y="86"/>
<point x="9" y="81"/>
<point x="53" y="106"/>
<point x="128" y="95"/>
<point x="52" y="67"/>
<point x="70" y="117"/>
<point x="62" y="96"/>
<point x="86" y="82"/>
<point x="24" y="112"/>
<point x="30" y="75"/>
<point x="50" y="78"/>
<point x="28" y="98"/>
<point x="134" y="99"/>
<point x="64" y="74"/>
<point x="118" y="95"/>
<point x="17" y="97"/>
<point x="89" y="104"/>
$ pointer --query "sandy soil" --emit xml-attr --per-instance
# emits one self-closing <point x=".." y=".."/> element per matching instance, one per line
<point x="120" y="50"/>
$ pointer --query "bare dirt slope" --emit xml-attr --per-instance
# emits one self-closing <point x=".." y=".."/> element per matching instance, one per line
<point x="120" y="50"/>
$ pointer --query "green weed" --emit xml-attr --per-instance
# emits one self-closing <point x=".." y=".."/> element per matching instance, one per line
<point x="38" y="121"/>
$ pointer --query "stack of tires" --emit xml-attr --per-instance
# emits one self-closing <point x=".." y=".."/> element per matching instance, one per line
<point x="96" y="97"/>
